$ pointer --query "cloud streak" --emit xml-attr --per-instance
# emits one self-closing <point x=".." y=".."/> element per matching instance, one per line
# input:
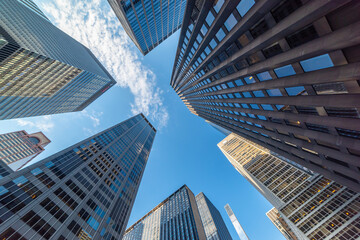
<point x="93" y="23"/>
<point x="44" y="124"/>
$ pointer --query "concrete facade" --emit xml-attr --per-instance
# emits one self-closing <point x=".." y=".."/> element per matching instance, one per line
<point x="283" y="74"/>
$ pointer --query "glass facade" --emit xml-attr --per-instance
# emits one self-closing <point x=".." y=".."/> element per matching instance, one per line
<point x="313" y="206"/>
<point x="177" y="217"/>
<point x="281" y="74"/>
<point x="214" y="226"/>
<point x="148" y="22"/>
<point x="19" y="148"/>
<point x="85" y="191"/>
<point x="43" y="70"/>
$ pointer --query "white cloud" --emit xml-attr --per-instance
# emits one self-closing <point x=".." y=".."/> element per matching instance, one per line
<point x="93" y="23"/>
<point x="44" y="124"/>
<point x="93" y="115"/>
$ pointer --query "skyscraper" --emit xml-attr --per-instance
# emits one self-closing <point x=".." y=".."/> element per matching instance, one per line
<point x="43" y="70"/>
<point x="177" y="217"/>
<point x="85" y="191"/>
<point x="240" y="231"/>
<point x="280" y="224"/>
<point x="283" y="74"/>
<point x="313" y="206"/>
<point x="149" y="22"/>
<point x="214" y="226"/>
<point x="19" y="148"/>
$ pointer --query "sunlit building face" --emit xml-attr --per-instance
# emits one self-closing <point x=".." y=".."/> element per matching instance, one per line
<point x="43" y="70"/>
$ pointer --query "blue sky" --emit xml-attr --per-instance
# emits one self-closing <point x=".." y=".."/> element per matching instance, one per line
<point x="184" y="151"/>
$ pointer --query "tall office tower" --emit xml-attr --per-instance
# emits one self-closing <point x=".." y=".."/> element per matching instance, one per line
<point x="149" y="22"/>
<point x="43" y="70"/>
<point x="313" y="206"/>
<point x="85" y="191"/>
<point x="19" y="148"/>
<point x="281" y="73"/>
<point x="177" y="217"/>
<point x="214" y="226"/>
<point x="280" y="224"/>
<point x="240" y="231"/>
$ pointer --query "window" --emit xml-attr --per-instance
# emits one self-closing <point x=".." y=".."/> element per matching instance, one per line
<point x="247" y="94"/>
<point x="220" y="35"/>
<point x="274" y="92"/>
<point x="267" y="107"/>
<point x="210" y="18"/>
<point x="285" y="8"/>
<point x="258" y="93"/>
<point x="218" y="5"/>
<point x="330" y="88"/>
<point x="213" y="44"/>
<point x="259" y="29"/>
<point x="244" y="6"/>
<point x="93" y="223"/>
<point x="284" y="71"/>
<point x="316" y="63"/>
<point x="302" y="36"/>
<point x="204" y="29"/>
<point x="264" y="76"/>
<point x="249" y="80"/>
<point x="293" y="91"/>
<point x="230" y="22"/>
<point x="272" y="50"/>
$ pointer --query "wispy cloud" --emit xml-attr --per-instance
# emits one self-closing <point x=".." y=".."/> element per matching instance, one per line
<point x="93" y="23"/>
<point x="93" y="116"/>
<point x="44" y="124"/>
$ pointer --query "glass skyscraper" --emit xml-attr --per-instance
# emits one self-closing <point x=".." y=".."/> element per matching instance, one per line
<point x="43" y="70"/>
<point x="283" y="74"/>
<point x="149" y="22"/>
<point x="214" y="226"/>
<point x="313" y="206"/>
<point x="177" y="217"/>
<point x="19" y="148"/>
<point x="85" y="191"/>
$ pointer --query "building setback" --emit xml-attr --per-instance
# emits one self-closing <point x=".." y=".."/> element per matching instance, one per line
<point x="239" y="230"/>
<point x="214" y="225"/>
<point x="149" y="22"/>
<point x="85" y="191"/>
<point x="313" y="206"/>
<point x="19" y="148"/>
<point x="43" y="70"/>
<point x="283" y="73"/>
<point x="177" y="217"/>
<point x="280" y="224"/>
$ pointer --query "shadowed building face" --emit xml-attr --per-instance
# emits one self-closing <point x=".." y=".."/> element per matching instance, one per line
<point x="85" y="191"/>
<point x="283" y="74"/>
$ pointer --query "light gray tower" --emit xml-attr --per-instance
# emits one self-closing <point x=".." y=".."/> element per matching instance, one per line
<point x="43" y="70"/>
<point x="85" y="191"/>
<point x="214" y="226"/>
<point x="240" y="231"/>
